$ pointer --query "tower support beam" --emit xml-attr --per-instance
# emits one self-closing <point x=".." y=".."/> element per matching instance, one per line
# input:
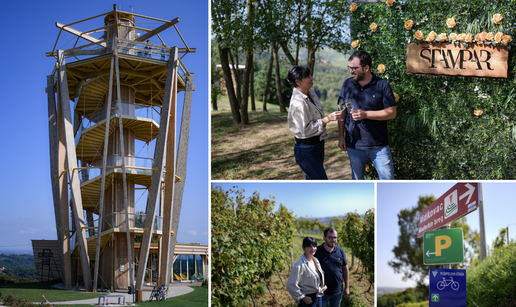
<point x="124" y="174"/>
<point x="168" y="191"/>
<point x="182" y="157"/>
<point x="60" y="211"/>
<point x="104" y="165"/>
<point x="156" y="177"/>
<point x="73" y="175"/>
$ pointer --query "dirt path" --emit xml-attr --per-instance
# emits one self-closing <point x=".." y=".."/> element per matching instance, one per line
<point x="263" y="150"/>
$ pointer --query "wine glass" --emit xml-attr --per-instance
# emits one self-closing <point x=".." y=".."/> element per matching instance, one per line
<point x="349" y="104"/>
<point x="342" y="106"/>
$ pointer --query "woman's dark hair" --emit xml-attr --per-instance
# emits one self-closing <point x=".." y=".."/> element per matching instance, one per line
<point x="364" y="57"/>
<point x="296" y="73"/>
<point x="309" y="241"/>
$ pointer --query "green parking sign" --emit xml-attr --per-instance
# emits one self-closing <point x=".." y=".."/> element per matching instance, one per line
<point x="443" y="246"/>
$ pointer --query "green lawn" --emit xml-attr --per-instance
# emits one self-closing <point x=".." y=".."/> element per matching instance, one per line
<point x="34" y="293"/>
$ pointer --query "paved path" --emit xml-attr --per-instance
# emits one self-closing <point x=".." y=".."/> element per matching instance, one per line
<point x="174" y="290"/>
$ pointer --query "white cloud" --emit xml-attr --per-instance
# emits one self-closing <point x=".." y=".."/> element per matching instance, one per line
<point x="53" y="229"/>
<point x="29" y="230"/>
<point x="192" y="232"/>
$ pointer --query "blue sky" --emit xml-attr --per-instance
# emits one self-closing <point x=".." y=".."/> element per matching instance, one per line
<point x="312" y="199"/>
<point x="499" y="212"/>
<point x="26" y="198"/>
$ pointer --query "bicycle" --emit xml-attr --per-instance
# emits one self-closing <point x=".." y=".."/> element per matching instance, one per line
<point x="159" y="293"/>
<point x="446" y="282"/>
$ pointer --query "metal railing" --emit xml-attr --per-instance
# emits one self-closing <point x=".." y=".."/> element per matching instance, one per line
<point x="147" y="164"/>
<point x="126" y="109"/>
<point x="118" y="220"/>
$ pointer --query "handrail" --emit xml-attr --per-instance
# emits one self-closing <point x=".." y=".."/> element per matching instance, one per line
<point x="117" y="220"/>
<point x="95" y="170"/>
<point x="127" y="109"/>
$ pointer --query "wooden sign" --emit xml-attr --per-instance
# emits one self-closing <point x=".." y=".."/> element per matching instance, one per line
<point x="477" y="60"/>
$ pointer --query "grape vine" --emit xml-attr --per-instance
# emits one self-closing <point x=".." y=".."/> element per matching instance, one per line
<point x="248" y="241"/>
<point x="358" y="234"/>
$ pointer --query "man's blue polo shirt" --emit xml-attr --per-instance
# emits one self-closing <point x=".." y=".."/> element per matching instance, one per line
<point x="332" y="264"/>
<point x="375" y="95"/>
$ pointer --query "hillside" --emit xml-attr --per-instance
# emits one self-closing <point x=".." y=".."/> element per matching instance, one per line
<point x="17" y="268"/>
<point x="12" y="260"/>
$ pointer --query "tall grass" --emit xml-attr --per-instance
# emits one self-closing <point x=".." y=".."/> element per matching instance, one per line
<point x="492" y="282"/>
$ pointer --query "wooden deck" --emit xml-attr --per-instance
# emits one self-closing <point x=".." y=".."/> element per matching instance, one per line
<point x="90" y="190"/>
<point x="89" y="147"/>
<point x="145" y="75"/>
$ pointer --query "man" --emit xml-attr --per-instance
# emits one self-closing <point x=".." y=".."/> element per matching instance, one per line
<point x="335" y="267"/>
<point x="366" y="126"/>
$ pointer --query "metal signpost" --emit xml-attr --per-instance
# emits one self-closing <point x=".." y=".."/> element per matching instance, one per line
<point x="458" y="201"/>
<point x="447" y="288"/>
<point x="443" y="246"/>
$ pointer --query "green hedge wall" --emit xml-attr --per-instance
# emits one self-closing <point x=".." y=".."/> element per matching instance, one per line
<point x="436" y="134"/>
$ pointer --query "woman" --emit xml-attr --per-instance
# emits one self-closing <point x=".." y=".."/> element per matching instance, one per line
<point x="307" y="121"/>
<point x="306" y="281"/>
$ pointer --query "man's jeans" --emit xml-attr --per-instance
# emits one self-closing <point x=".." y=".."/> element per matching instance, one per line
<point x="333" y="299"/>
<point x="311" y="158"/>
<point x="381" y="158"/>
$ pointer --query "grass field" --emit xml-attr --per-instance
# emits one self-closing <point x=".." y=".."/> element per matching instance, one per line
<point x="34" y="293"/>
<point x="264" y="149"/>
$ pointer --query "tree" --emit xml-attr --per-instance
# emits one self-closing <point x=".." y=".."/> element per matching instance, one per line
<point x="409" y="251"/>
<point x="216" y="76"/>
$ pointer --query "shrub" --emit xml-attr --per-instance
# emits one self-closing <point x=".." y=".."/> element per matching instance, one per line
<point x="436" y="134"/>
<point x="491" y="283"/>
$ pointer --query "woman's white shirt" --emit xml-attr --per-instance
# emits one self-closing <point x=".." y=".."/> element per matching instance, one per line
<point x="305" y="118"/>
<point x="304" y="279"/>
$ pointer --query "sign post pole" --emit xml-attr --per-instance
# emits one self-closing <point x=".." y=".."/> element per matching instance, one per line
<point x="483" y="249"/>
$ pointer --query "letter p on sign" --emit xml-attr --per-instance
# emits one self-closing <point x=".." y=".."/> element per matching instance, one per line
<point x="439" y="244"/>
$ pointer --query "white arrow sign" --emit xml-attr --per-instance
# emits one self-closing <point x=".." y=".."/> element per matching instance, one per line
<point x="428" y="253"/>
<point x="469" y="193"/>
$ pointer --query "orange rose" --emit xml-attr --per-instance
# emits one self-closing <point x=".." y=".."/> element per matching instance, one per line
<point x="389" y="2"/>
<point x="506" y="40"/>
<point x="419" y="35"/>
<point x="396" y="97"/>
<point x="490" y="36"/>
<point x="453" y="36"/>
<point x="497" y="18"/>
<point x="431" y="37"/>
<point x="355" y="44"/>
<point x="442" y="37"/>
<point x="461" y="37"/>
<point x="450" y="22"/>
<point x="498" y="37"/>
<point x="373" y="27"/>
<point x="482" y="36"/>
<point x="478" y="112"/>
<point x="381" y="68"/>
<point x="468" y="38"/>
<point x="353" y="7"/>
<point x="367" y="168"/>
<point x="409" y="24"/>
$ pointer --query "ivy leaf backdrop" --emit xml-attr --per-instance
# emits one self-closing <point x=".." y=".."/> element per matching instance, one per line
<point x="447" y="127"/>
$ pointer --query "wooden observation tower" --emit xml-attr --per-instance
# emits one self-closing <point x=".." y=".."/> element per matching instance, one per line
<point x="112" y="91"/>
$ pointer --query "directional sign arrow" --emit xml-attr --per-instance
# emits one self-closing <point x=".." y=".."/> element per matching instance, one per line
<point x="428" y="253"/>
<point x="469" y="193"/>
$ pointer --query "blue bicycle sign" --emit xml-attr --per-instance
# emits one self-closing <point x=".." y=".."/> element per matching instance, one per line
<point x="447" y="288"/>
